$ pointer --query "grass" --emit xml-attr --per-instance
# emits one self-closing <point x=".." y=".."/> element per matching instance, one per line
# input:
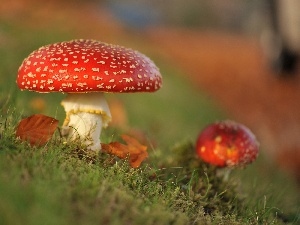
<point x="58" y="185"/>
<point x="63" y="184"/>
<point x="53" y="184"/>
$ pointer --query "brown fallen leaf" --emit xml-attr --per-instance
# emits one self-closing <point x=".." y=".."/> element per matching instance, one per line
<point x="36" y="129"/>
<point x="133" y="149"/>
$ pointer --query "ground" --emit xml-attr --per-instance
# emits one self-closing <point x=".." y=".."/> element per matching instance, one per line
<point x="230" y="68"/>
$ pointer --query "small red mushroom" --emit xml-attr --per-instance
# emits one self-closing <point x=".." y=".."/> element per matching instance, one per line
<point x="85" y="69"/>
<point x="227" y="143"/>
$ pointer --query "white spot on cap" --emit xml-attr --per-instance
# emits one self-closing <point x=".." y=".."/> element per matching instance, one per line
<point x="202" y="149"/>
<point x="96" y="78"/>
<point x="32" y="75"/>
<point x="128" y="80"/>
<point x="76" y="69"/>
<point x="95" y="69"/>
<point x="100" y="86"/>
<point x="50" y="81"/>
<point x="81" y="84"/>
<point x="62" y="71"/>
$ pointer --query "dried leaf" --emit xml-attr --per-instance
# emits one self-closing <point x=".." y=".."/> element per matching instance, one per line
<point x="133" y="149"/>
<point x="36" y="129"/>
<point x="116" y="148"/>
<point x="137" y="151"/>
<point x="135" y="146"/>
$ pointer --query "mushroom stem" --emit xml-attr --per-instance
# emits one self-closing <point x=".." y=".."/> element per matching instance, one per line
<point x="86" y="114"/>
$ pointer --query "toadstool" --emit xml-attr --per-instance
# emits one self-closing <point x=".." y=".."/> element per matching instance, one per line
<point x="227" y="143"/>
<point x="85" y="69"/>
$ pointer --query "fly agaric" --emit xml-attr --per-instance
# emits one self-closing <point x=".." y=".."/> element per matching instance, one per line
<point x="85" y="69"/>
<point x="227" y="143"/>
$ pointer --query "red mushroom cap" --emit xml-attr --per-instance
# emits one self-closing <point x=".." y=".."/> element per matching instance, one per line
<point x="88" y="66"/>
<point x="227" y="143"/>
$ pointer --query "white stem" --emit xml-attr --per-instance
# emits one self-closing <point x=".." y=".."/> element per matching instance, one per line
<point x="86" y="113"/>
<point x="87" y="127"/>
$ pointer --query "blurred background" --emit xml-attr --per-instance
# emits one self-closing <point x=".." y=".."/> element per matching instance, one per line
<point x="224" y="59"/>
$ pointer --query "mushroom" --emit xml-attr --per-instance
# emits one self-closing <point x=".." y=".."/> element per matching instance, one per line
<point x="85" y="69"/>
<point x="227" y="143"/>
